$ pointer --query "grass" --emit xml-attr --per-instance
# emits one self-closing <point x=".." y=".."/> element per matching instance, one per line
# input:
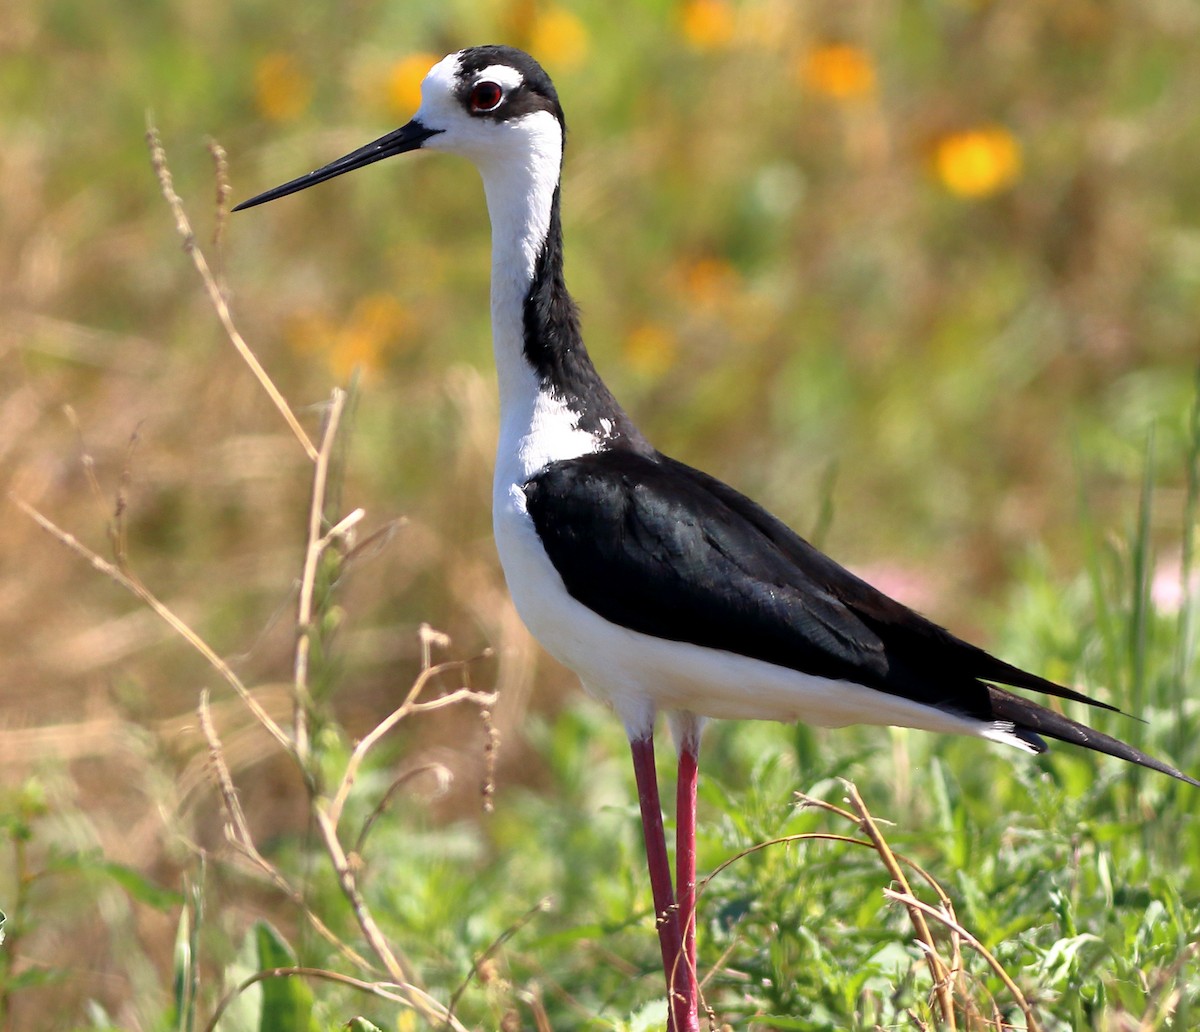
<point x="930" y="296"/>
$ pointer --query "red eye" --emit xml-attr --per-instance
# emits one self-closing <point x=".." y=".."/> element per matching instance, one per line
<point x="486" y="96"/>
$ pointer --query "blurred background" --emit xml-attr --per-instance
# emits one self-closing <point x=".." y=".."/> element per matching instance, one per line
<point x="922" y="278"/>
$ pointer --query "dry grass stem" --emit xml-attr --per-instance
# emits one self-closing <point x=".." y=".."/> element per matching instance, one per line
<point x="541" y="1020"/>
<point x="237" y="829"/>
<point x="540" y="907"/>
<point x="397" y="969"/>
<point x="949" y="979"/>
<point x="183" y="227"/>
<point x="237" y="833"/>
<point x="316" y="545"/>
<point x="118" y="540"/>
<point x="411" y="704"/>
<point x="86" y="460"/>
<point x="938" y="969"/>
<point x="911" y="901"/>
<point x="314" y="549"/>
<point x="490" y="750"/>
<point x="326" y="813"/>
<point x="221" y="176"/>
<point x="441" y="774"/>
<point x="130" y="582"/>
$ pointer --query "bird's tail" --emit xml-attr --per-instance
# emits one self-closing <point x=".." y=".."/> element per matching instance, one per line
<point x="1030" y="721"/>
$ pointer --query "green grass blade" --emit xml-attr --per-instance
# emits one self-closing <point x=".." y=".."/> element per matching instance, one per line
<point x="287" y="1003"/>
<point x="1141" y="607"/>
<point x="1185" y="654"/>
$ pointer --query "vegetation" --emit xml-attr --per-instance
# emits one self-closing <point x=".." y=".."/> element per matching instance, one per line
<point x="921" y="277"/>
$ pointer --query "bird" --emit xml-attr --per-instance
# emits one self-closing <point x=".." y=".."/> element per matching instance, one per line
<point x="665" y="590"/>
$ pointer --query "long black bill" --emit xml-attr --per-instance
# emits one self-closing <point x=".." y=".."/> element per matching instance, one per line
<point x="406" y="138"/>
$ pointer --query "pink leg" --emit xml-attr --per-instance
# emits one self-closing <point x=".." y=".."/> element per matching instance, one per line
<point x="665" y="913"/>
<point x="685" y="866"/>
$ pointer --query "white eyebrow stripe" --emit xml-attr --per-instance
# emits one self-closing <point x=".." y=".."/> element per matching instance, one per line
<point x="504" y="76"/>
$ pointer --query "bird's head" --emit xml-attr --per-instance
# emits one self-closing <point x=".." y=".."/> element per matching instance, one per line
<point x="493" y="104"/>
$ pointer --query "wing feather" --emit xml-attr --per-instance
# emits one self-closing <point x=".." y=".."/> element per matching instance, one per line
<point x="656" y="546"/>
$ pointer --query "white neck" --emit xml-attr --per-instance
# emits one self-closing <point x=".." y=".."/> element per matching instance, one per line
<point x="536" y="427"/>
<point x="519" y="182"/>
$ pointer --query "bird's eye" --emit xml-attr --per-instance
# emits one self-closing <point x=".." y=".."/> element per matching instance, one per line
<point x="486" y="96"/>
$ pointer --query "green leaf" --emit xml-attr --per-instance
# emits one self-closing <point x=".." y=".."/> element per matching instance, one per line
<point x="273" y="950"/>
<point x="33" y="978"/>
<point x="183" y="967"/>
<point x="186" y="973"/>
<point x="140" y="887"/>
<point x="287" y="1003"/>
<point x="648" y="1018"/>
<point x="136" y="884"/>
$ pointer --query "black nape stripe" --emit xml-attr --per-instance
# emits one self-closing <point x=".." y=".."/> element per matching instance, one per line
<point x="554" y="347"/>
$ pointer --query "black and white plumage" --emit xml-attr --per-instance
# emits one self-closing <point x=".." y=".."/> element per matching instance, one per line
<point x="664" y="589"/>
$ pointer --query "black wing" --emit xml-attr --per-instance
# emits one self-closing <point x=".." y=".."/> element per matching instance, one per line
<point x="656" y="546"/>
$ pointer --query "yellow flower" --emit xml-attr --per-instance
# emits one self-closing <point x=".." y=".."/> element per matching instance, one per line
<point x="977" y="162"/>
<point x="375" y="325"/>
<point x="559" y="38"/>
<point x="282" y="90"/>
<point x="650" y="349"/>
<point x="707" y="24"/>
<point x="404" y="83"/>
<point x="839" y="71"/>
<point x="308" y="331"/>
<point x="709" y="282"/>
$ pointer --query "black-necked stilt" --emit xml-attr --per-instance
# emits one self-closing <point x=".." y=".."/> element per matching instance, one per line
<point x="664" y="589"/>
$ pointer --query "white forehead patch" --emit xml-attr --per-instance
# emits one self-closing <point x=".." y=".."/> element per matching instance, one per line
<point x="439" y="81"/>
